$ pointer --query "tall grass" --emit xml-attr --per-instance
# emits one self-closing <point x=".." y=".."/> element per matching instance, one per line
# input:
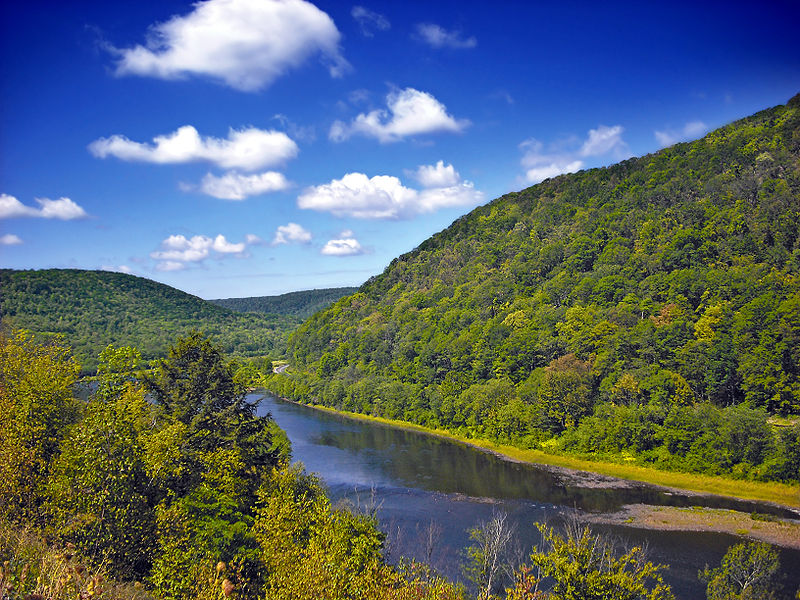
<point x="32" y="569"/>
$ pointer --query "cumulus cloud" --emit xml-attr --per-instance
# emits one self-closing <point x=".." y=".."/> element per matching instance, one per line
<point x="438" y="175"/>
<point x="369" y="21"/>
<point x="178" y="250"/>
<point x="347" y="246"/>
<point x="385" y="197"/>
<point x="9" y="239"/>
<point x="569" y="156"/>
<point x="252" y="239"/>
<point x="690" y="131"/>
<point x="244" y="44"/>
<point x="409" y="112"/>
<point x="63" y="209"/>
<point x="247" y="149"/>
<point x="235" y="186"/>
<point x="438" y="37"/>
<point x="291" y="233"/>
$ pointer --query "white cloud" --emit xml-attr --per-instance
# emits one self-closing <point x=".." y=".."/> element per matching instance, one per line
<point x="63" y="209"/>
<point x="569" y="156"/>
<point x="541" y="165"/>
<point x="225" y="247"/>
<point x="9" y="239"/>
<point x="117" y="269"/>
<point x="177" y="250"/>
<point x="385" y="197"/>
<point x="437" y="175"/>
<point x="369" y="21"/>
<point x="690" y="131"/>
<point x="438" y="37"/>
<point x="235" y="186"/>
<point x="247" y="149"/>
<point x="252" y="239"/>
<point x="291" y="233"/>
<point x="170" y="265"/>
<point x="410" y="112"/>
<point x="343" y="247"/>
<point x="604" y="140"/>
<point x="244" y="44"/>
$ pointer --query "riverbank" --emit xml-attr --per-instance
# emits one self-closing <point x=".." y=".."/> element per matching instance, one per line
<point x="588" y="473"/>
<point x="764" y="528"/>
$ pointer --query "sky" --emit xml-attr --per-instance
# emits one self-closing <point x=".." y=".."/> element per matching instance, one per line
<point x="234" y="148"/>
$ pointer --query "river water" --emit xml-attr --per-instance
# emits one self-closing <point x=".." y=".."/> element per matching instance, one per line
<point x="414" y="480"/>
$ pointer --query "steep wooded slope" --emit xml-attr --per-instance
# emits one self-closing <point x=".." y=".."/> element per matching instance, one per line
<point x="667" y="280"/>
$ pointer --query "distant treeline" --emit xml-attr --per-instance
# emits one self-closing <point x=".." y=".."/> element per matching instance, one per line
<point x="297" y="304"/>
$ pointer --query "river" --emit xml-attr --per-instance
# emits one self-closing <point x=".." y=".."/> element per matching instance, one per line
<point x="413" y="480"/>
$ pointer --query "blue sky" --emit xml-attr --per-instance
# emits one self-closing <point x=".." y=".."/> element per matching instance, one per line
<point x="255" y="147"/>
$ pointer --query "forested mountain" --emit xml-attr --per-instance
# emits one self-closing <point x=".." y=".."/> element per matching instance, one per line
<point x="95" y="308"/>
<point x="297" y="304"/>
<point x="649" y="311"/>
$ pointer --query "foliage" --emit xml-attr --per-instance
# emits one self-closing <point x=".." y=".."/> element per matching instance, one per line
<point x="36" y="407"/>
<point x="670" y="280"/>
<point x="92" y="309"/>
<point x="297" y="304"/>
<point x="31" y="569"/>
<point x="189" y="495"/>
<point x="584" y="566"/>
<point x="748" y="571"/>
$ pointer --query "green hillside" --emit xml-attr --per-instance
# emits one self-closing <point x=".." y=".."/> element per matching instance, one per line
<point x="95" y="308"/>
<point x="298" y="304"/>
<point x="648" y="312"/>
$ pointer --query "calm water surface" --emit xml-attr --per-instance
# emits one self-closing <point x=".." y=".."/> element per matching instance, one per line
<point x="415" y="479"/>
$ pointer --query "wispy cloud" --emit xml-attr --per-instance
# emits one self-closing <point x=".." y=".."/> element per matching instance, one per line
<point x="117" y="269"/>
<point x="409" y="112"/>
<point x="9" y="239"/>
<point x="244" y="44"/>
<point x="690" y="131"/>
<point x="569" y="156"/>
<point x="63" y="209"/>
<point x="247" y="149"/>
<point x="438" y="37"/>
<point x="385" y="197"/>
<point x="369" y="21"/>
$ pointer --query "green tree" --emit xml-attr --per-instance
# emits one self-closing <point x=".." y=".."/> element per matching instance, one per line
<point x="100" y="496"/>
<point x="748" y="571"/>
<point x="585" y="566"/>
<point x="36" y="406"/>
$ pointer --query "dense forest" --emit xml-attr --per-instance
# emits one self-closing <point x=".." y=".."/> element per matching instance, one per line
<point x="93" y="309"/>
<point x="645" y="312"/>
<point x="296" y="304"/>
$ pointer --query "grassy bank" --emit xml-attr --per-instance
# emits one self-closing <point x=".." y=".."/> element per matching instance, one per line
<point x="779" y="493"/>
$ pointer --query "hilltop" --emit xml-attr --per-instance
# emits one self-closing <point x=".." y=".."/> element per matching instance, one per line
<point x="92" y="309"/>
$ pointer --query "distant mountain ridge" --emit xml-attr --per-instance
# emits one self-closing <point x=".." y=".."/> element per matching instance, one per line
<point x="300" y="304"/>
<point x="95" y="308"/>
